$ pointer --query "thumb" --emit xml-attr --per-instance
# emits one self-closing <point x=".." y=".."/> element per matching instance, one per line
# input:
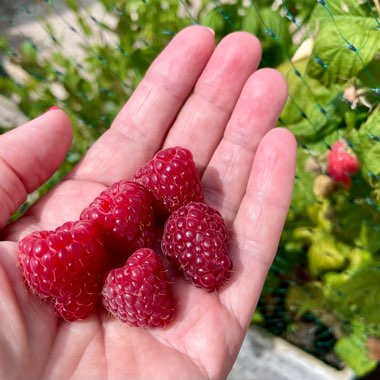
<point x="29" y="156"/>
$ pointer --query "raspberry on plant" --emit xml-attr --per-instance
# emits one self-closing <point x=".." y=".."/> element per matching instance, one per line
<point x="342" y="164"/>
<point x="124" y="215"/>
<point x="195" y="238"/>
<point x="139" y="293"/>
<point x="65" y="267"/>
<point x="172" y="178"/>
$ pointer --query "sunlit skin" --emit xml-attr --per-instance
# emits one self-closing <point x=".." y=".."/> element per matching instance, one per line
<point x="213" y="101"/>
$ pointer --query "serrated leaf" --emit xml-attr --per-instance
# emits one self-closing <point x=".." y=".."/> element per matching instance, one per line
<point x="336" y="9"/>
<point x="346" y="46"/>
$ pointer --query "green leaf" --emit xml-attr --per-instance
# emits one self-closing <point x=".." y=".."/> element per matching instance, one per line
<point x="85" y="27"/>
<point x="71" y="81"/>
<point x="367" y="146"/>
<point x="311" y="111"/>
<point x="331" y="281"/>
<point x="52" y="33"/>
<point x="359" y="258"/>
<point x="369" y="236"/>
<point x="257" y="318"/>
<point x="251" y="21"/>
<point x="359" y="295"/>
<point x="274" y="26"/>
<point x="318" y="122"/>
<point x="300" y="299"/>
<point x="73" y="5"/>
<point x="303" y="186"/>
<point x="353" y="351"/>
<point x="337" y="9"/>
<point x="351" y="214"/>
<point x="28" y="52"/>
<point x="4" y="44"/>
<point x="346" y="46"/>
<point x="214" y="20"/>
<point x="370" y="77"/>
<point x="326" y="254"/>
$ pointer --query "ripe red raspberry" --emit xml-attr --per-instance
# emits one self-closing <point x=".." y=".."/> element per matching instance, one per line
<point x="65" y="267"/>
<point x="195" y="238"/>
<point x="139" y="293"/>
<point x="171" y="176"/>
<point x="341" y="163"/>
<point x="124" y="215"/>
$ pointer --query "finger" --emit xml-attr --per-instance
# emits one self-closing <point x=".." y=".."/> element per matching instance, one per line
<point x="29" y="155"/>
<point x="256" y="112"/>
<point x="259" y="222"/>
<point x="139" y="129"/>
<point x="205" y="115"/>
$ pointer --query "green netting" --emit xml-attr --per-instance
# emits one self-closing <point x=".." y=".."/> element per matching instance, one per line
<point x="323" y="290"/>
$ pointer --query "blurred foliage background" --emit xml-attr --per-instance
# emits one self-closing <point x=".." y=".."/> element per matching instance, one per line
<point x="323" y="290"/>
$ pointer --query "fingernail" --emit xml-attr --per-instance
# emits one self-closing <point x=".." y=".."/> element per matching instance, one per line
<point x="211" y="30"/>
<point x="53" y="108"/>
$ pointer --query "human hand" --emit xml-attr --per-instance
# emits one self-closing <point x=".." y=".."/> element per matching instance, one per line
<point x="212" y="101"/>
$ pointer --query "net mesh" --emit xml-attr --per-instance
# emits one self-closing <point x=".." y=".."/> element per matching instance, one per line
<point x="323" y="290"/>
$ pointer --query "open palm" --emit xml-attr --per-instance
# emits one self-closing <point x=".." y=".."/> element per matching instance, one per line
<point x="210" y="100"/>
